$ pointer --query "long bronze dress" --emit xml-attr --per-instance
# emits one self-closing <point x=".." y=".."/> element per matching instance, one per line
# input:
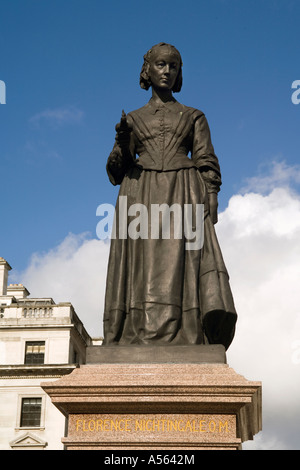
<point x="157" y="291"/>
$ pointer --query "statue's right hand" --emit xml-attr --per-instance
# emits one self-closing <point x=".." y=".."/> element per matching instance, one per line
<point x="115" y="160"/>
<point x="123" y="131"/>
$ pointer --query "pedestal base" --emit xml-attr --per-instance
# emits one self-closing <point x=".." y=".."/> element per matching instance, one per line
<point x="160" y="354"/>
<point x="154" y="406"/>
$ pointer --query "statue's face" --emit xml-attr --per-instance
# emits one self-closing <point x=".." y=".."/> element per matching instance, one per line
<point x="164" y="68"/>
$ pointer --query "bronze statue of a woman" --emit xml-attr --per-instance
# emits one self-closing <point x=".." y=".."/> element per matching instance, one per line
<point x="157" y="291"/>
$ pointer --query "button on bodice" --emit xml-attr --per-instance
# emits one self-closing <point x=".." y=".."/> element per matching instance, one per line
<point x="163" y="137"/>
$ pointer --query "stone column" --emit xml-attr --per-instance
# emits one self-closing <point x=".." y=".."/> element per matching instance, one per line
<point x="4" y="268"/>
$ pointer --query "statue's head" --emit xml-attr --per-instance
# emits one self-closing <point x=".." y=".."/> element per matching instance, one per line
<point x="145" y="81"/>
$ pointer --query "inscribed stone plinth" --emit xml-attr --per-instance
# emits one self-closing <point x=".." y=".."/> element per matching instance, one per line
<point x="157" y="406"/>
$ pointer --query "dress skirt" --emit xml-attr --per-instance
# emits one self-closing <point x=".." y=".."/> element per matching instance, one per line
<point x="157" y="290"/>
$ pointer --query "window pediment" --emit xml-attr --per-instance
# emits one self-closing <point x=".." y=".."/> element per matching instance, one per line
<point x="28" y="440"/>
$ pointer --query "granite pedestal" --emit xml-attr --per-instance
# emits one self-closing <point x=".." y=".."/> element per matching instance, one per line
<point x="157" y="398"/>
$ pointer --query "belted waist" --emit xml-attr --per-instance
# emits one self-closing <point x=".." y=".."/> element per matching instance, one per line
<point x="163" y="163"/>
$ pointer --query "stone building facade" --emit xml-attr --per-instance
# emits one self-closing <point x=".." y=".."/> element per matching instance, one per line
<point x="39" y="341"/>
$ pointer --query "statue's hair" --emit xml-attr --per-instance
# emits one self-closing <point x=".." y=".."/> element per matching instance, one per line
<point x="145" y="81"/>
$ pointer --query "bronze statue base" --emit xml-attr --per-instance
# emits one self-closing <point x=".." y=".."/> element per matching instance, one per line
<point x="167" y="354"/>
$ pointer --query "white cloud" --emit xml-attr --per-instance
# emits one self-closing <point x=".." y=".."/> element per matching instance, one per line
<point x="260" y="239"/>
<point x="36" y="152"/>
<point x="74" y="271"/>
<point x="57" y="117"/>
<point x="273" y="174"/>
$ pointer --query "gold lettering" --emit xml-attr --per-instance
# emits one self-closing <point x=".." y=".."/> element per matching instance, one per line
<point x="188" y="426"/>
<point x="106" y="425"/>
<point x="84" y="428"/>
<point x="114" y="424"/>
<point x="222" y="426"/>
<point x="147" y="422"/>
<point x="123" y="423"/>
<point x="155" y="425"/>
<point x="99" y="424"/>
<point x="163" y="423"/>
<point x="174" y="425"/>
<point x="92" y="425"/>
<point x="212" y="426"/>
<point x="178" y="425"/>
<point x="138" y="425"/>
<point x="202" y="425"/>
<point x="77" y="424"/>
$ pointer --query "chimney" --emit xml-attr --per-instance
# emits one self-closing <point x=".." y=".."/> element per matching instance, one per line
<point x="18" y="291"/>
<point x="4" y="268"/>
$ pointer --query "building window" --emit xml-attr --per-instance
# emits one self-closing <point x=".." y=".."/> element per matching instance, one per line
<point x="31" y="412"/>
<point x="34" y="352"/>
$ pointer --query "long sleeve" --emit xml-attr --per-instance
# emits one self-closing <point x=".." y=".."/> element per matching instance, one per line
<point x="204" y="157"/>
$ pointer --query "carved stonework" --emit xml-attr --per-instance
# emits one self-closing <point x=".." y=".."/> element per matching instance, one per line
<point x="28" y="441"/>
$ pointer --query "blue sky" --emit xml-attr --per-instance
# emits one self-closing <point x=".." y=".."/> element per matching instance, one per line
<point x="70" y="67"/>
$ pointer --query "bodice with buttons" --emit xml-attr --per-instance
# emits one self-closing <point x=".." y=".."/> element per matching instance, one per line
<point x="162" y="137"/>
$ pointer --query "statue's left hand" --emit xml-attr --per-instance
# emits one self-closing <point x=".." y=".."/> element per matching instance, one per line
<point x="213" y="207"/>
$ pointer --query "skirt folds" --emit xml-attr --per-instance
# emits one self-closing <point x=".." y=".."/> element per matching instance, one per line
<point x="158" y="290"/>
